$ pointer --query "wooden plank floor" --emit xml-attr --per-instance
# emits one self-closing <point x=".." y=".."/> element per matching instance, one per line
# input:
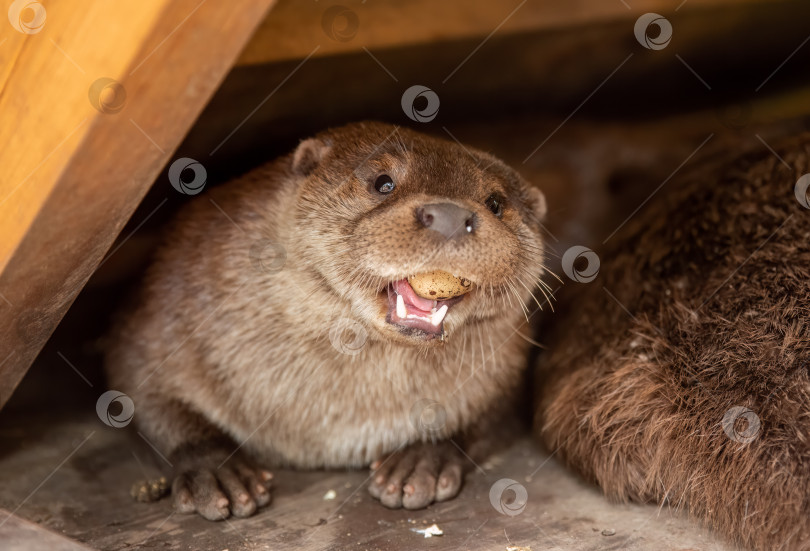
<point x="18" y="534"/>
<point x="70" y="474"/>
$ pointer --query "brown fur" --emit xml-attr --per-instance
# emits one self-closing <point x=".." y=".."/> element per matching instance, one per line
<point x="716" y="282"/>
<point x="218" y="347"/>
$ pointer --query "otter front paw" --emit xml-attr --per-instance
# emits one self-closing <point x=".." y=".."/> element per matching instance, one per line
<point x="216" y="489"/>
<point x="417" y="476"/>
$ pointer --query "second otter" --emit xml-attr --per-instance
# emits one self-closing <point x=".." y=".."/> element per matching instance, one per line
<point x="681" y="375"/>
<point x="277" y="325"/>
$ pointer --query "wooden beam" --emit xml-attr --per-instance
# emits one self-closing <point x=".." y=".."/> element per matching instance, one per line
<point x="294" y="28"/>
<point x="540" y="60"/>
<point x="78" y="153"/>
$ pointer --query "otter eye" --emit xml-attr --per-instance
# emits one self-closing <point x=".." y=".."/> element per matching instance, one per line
<point x="495" y="203"/>
<point x="384" y="184"/>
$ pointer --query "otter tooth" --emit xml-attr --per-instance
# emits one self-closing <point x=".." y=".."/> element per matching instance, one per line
<point x="438" y="316"/>
<point x="401" y="310"/>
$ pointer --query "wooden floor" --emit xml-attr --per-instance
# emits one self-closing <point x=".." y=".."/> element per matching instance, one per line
<point x="71" y="474"/>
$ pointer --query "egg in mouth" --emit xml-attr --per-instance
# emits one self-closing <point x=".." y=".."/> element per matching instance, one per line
<point x="418" y="305"/>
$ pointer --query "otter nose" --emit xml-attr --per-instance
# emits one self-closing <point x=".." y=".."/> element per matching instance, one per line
<point x="448" y="219"/>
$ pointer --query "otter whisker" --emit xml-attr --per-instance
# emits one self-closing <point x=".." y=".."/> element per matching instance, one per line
<point x="529" y="340"/>
<point x="491" y="348"/>
<point x="483" y="354"/>
<point x="531" y="294"/>
<point x="511" y="286"/>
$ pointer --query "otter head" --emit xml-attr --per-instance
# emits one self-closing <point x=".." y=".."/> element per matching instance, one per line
<point x="378" y="204"/>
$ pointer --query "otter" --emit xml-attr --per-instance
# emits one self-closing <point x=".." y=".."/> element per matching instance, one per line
<point x="680" y="375"/>
<point x="277" y="327"/>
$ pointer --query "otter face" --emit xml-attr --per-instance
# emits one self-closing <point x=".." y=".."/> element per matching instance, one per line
<point x="385" y="203"/>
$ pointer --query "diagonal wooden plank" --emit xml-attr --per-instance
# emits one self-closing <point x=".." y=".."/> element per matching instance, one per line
<point x="78" y="153"/>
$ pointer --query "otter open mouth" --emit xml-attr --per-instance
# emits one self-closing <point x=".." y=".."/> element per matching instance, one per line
<point x="411" y="312"/>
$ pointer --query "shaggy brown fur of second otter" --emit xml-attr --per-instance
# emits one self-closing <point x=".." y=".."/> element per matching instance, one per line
<point x="703" y="306"/>
<point x="226" y="353"/>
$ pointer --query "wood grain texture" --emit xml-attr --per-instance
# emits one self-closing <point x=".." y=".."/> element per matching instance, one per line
<point x="18" y="534"/>
<point x="596" y="64"/>
<point x="295" y="28"/>
<point x="87" y="499"/>
<point x="73" y="173"/>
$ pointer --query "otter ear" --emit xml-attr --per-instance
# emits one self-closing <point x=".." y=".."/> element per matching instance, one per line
<point x="309" y="154"/>
<point x="537" y="201"/>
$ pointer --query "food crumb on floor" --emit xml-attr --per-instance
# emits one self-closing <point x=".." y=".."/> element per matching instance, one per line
<point x="517" y="548"/>
<point x="608" y="532"/>
<point x="330" y="495"/>
<point x="430" y="531"/>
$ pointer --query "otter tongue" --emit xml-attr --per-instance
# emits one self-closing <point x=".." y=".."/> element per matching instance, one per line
<point x="404" y="289"/>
